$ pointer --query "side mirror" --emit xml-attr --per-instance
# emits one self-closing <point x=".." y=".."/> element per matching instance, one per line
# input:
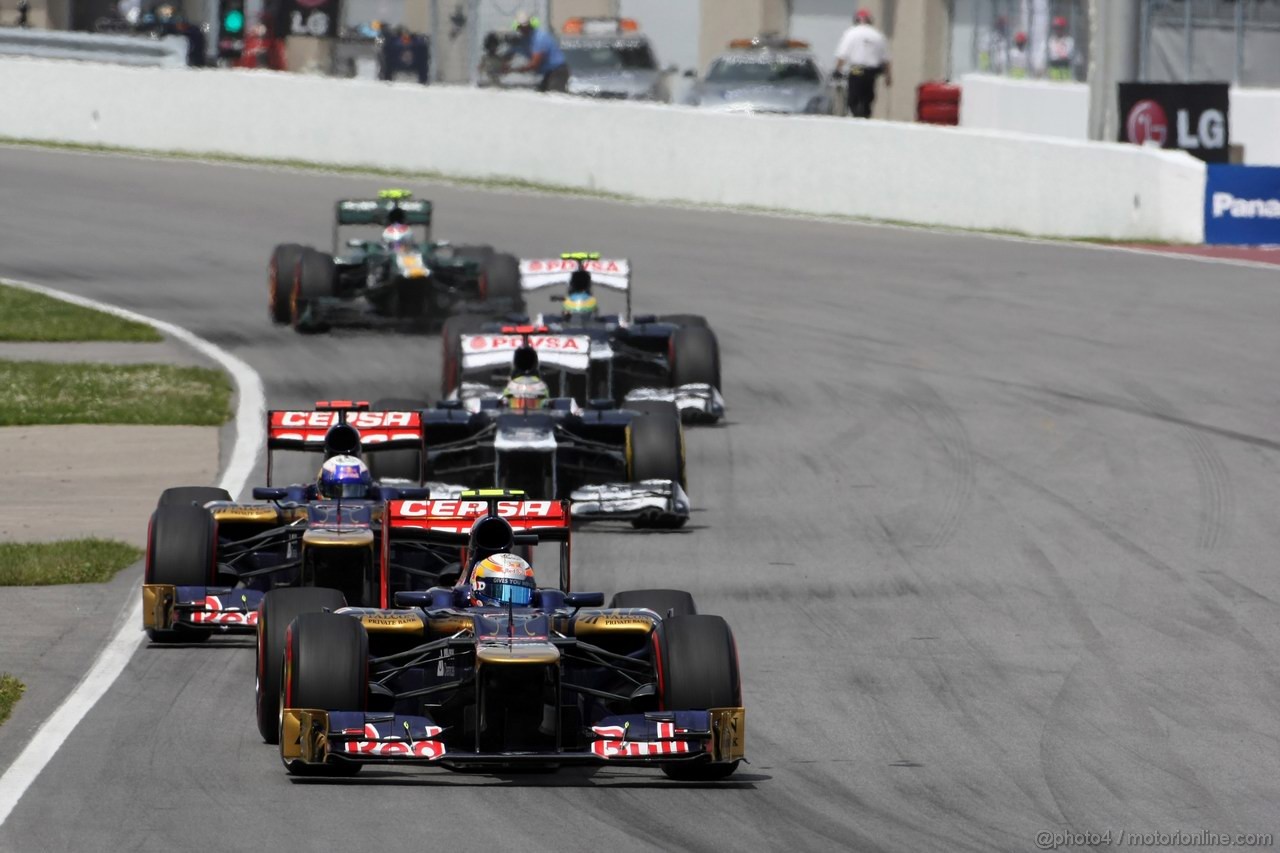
<point x="414" y="598"/>
<point x="601" y="404"/>
<point x="269" y="493"/>
<point x="690" y="73"/>
<point x="584" y="599"/>
<point x="559" y="297"/>
<point x="354" y="243"/>
<point x="410" y="493"/>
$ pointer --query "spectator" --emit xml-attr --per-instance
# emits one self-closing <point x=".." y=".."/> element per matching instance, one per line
<point x="1018" y="56"/>
<point x="1062" y="52"/>
<point x="865" y="50"/>
<point x="544" y="55"/>
<point x="994" y="53"/>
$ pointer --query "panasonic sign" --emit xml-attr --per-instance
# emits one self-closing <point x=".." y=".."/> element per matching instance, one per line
<point x="1242" y="205"/>
<point x="1225" y="204"/>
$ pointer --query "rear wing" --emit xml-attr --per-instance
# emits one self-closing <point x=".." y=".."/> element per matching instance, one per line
<point x="550" y="520"/>
<point x="537" y="273"/>
<point x="450" y="521"/>
<point x="570" y="353"/>
<point x="376" y="211"/>
<point x="357" y="428"/>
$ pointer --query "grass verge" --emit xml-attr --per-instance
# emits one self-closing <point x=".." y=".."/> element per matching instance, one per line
<point x="39" y="392"/>
<point x="10" y="692"/>
<point x="27" y="316"/>
<point x="66" y="561"/>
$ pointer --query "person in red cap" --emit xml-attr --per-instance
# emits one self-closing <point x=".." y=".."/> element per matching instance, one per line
<point x="1018" y="56"/>
<point x="864" y="49"/>
<point x="1062" y="51"/>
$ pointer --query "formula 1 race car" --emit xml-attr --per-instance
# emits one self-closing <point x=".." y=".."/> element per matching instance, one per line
<point x="210" y="560"/>
<point x="613" y="464"/>
<point x="403" y="279"/>
<point x="674" y="357"/>
<point x="550" y="680"/>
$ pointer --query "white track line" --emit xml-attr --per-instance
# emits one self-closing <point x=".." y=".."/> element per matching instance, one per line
<point x="250" y="422"/>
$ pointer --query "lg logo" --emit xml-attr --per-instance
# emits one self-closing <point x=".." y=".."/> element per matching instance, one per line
<point x="1147" y="122"/>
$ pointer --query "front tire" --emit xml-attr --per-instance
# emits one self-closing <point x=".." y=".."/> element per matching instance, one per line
<point x="278" y="609"/>
<point x="501" y="285"/>
<point x="695" y="357"/>
<point x="280" y="280"/>
<point x="314" y="279"/>
<point x="182" y="547"/>
<point x="451" y="339"/>
<point x="700" y="671"/>
<point x="187" y="495"/>
<point x="328" y="662"/>
<point x="657" y="442"/>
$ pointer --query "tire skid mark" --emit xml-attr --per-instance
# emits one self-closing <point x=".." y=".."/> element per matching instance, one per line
<point x="1212" y="477"/>
<point x="944" y="425"/>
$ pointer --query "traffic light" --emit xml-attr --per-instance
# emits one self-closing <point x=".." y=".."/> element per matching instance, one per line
<point x="231" y="18"/>
<point x="230" y="29"/>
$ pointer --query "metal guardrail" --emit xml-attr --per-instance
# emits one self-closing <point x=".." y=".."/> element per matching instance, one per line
<point x="167" y="52"/>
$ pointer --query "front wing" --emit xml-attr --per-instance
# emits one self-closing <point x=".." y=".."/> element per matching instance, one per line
<point x="311" y="737"/>
<point x="698" y="403"/>
<point x="166" y="608"/>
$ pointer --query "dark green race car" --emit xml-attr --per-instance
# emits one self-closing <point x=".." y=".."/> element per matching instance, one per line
<point x="401" y="278"/>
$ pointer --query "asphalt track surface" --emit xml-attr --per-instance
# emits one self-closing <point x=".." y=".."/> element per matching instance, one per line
<point x="995" y="523"/>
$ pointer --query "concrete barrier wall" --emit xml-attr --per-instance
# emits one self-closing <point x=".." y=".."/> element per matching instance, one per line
<point x="903" y="172"/>
<point x="988" y="102"/>
<point x="1062" y="110"/>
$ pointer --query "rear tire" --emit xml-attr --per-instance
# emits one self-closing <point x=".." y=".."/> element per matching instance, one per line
<point x="328" y="671"/>
<point x="182" y="550"/>
<point x="186" y="495"/>
<point x="501" y="286"/>
<point x="695" y="357"/>
<point x="450" y="336"/>
<point x="314" y="278"/>
<point x="278" y="609"/>
<point x="700" y="671"/>
<point x="396" y="464"/>
<point x="480" y="253"/>
<point x="675" y="602"/>
<point x="657" y="442"/>
<point x="279" y="280"/>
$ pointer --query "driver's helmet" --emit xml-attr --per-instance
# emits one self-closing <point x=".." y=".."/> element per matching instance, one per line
<point x="502" y="579"/>
<point x="344" y="477"/>
<point x="397" y="236"/>
<point x="579" y="305"/>
<point x="525" y="392"/>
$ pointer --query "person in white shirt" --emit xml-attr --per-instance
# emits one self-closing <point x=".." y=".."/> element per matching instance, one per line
<point x="864" y="49"/>
<point x="1062" y="52"/>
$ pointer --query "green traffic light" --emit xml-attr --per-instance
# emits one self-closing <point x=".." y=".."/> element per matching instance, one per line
<point x="233" y="21"/>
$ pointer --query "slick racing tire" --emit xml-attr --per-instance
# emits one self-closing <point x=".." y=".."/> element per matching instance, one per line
<point x="695" y="357"/>
<point x="314" y="278"/>
<point x="699" y="665"/>
<point x="279" y="280"/>
<point x="665" y="602"/>
<point x="451" y="339"/>
<point x="656" y="442"/>
<point x="182" y="548"/>
<point x="396" y="464"/>
<point x="683" y="319"/>
<point x="500" y="284"/>
<point x="279" y="607"/>
<point x="328" y="670"/>
<point x="186" y="495"/>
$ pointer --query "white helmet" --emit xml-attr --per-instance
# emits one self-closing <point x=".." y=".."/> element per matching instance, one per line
<point x="397" y="236"/>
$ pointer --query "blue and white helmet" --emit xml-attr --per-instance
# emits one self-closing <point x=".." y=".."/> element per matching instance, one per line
<point x="344" y="477"/>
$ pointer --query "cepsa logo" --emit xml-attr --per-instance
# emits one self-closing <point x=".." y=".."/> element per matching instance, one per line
<point x="1147" y="123"/>
<point x="467" y="509"/>
<point x="359" y="420"/>
<point x="559" y="343"/>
